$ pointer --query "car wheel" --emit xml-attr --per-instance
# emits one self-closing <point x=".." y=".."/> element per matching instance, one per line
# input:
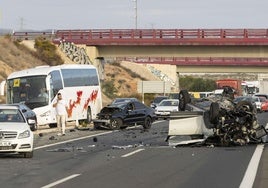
<point x="245" y="106"/>
<point x="116" y="124"/>
<point x="34" y="126"/>
<point x="184" y="98"/>
<point x="28" y="154"/>
<point x="214" y="112"/>
<point x="147" y="123"/>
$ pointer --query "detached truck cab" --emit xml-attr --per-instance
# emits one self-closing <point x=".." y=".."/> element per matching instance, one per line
<point x="235" y="84"/>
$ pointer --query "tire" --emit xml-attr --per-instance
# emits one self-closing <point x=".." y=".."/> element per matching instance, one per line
<point x="33" y="127"/>
<point x="214" y="112"/>
<point x="246" y="106"/>
<point x="52" y="125"/>
<point x="28" y="154"/>
<point x="88" y="120"/>
<point x="116" y="124"/>
<point x="96" y="126"/>
<point x="184" y="99"/>
<point x="147" y="123"/>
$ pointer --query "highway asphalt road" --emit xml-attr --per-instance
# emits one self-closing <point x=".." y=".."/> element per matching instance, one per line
<point x="125" y="158"/>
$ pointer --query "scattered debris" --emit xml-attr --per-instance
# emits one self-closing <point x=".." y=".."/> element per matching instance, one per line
<point x="95" y="139"/>
<point x="127" y="146"/>
<point x="61" y="150"/>
<point x="72" y="130"/>
<point x="92" y="146"/>
<point x="52" y="138"/>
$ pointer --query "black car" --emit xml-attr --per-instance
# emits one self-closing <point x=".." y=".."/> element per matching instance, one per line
<point x="29" y="114"/>
<point x="120" y="100"/>
<point x="124" y="114"/>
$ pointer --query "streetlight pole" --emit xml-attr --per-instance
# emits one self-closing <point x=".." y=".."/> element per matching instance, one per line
<point x="136" y="13"/>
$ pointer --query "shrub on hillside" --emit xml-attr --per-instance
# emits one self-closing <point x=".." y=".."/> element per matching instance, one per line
<point x="47" y="52"/>
<point x="108" y="88"/>
<point x="197" y="84"/>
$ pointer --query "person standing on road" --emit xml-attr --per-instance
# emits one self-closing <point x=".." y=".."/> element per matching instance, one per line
<point x="61" y="110"/>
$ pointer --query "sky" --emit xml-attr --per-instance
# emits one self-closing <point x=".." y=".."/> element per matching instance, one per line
<point x="121" y="14"/>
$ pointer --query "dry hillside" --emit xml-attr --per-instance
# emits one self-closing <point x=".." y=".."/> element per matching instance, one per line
<point x="13" y="58"/>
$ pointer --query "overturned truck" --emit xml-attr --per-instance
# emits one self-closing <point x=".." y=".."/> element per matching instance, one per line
<point x="215" y="120"/>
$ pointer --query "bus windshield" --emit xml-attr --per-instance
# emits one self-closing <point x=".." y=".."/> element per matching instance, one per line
<point x="29" y="90"/>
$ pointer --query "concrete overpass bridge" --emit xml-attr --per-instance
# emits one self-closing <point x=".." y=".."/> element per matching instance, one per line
<point x="179" y="50"/>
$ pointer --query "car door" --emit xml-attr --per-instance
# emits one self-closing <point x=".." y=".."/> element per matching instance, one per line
<point x="131" y="114"/>
<point x="141" y="111"/>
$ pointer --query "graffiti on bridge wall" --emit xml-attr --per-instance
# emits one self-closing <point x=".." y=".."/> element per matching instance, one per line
<point x="78" y="55"/>
<point x="161" y="75"/>
<point x="74" y="53"/>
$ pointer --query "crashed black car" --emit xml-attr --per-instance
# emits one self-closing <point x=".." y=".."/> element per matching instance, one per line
<point x="123" y="114"/>
<point x="217" y="120"/>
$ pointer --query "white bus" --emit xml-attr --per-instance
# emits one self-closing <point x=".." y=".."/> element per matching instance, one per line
<point x="79" y="85"/>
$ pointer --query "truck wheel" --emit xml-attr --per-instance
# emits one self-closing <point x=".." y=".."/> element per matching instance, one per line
<point x="184" y="98"/>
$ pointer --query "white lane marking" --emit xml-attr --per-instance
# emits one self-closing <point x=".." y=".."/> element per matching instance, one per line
<point x="75" y="139"/>
<point x="251" y="172"/>
<point x="132" y="153"/>
<point x="61" y="181"/>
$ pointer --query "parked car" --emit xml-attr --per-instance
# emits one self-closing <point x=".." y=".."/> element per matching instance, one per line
<point x="124" y="114"/>
<point x="118" y="100"/>
<point x="15" y="133"/>
<point x="261" y="95"/>
<point x="157" y="100"/>
<point x="166" y="106"/>
<point x="264" y="104"/>
<point x="29" y="114"/>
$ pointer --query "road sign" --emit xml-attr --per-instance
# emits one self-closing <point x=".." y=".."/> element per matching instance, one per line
<point x="154" y="87"/>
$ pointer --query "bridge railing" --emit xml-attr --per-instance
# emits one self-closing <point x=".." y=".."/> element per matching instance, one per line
<point x="207" y="61"/>
<point x="161" y="33"/>
<point x="153" y="36"/>
<point x="31" y="35"/>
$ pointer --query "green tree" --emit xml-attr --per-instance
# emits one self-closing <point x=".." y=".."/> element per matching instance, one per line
<point x="197" y="84"/>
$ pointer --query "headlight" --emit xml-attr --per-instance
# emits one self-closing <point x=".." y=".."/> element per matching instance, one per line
<point x="24" y="134"/>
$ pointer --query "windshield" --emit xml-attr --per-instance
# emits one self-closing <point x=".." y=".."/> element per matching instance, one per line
<point x="29" y="90"/>
<point x="159" y="99"/>
<point x="10" y="115"/>
<point x="168" y="103"/>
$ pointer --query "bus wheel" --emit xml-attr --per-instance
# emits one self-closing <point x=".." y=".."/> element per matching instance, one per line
<point x="88" y="120"/>
<point x="52" y="125"/>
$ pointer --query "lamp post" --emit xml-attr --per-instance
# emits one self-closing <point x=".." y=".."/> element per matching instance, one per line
<point x="136" y="13"/>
